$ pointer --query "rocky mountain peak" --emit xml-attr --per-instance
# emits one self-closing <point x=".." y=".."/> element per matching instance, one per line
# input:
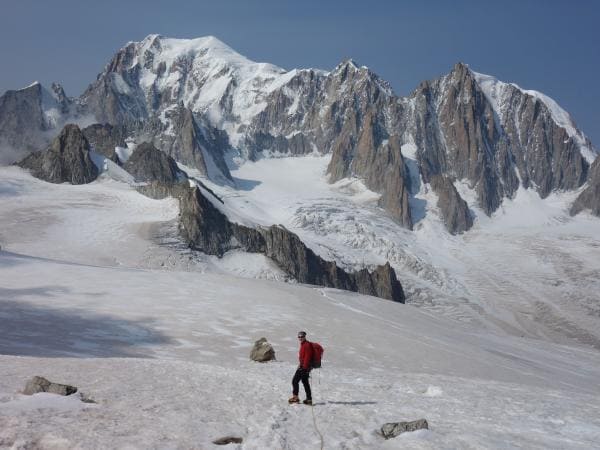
<point x="347" y="65"/>
<point x="461" y="69"/>
<point x="66" y="160"/>
<point x="350" y="72"/>
<point x="197" y="99"/>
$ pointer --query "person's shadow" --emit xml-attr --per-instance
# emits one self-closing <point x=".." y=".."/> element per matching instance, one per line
<point x="357" y="403"/>
<point x="352" y="403"/>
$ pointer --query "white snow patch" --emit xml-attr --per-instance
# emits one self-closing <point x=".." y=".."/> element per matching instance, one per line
<point x="433" y="391"/>
<point x="43" y="401"/>
<point x="409" y="150"/>
<point x="124" y="153"/>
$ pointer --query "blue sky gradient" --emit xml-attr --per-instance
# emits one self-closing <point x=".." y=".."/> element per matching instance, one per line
<point x="550" y="46"/>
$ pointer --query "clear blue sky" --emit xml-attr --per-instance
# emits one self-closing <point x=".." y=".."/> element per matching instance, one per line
<point x="551" y="46"/>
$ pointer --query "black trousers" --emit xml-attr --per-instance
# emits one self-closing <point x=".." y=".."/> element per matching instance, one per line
<point x="301" y="375"/>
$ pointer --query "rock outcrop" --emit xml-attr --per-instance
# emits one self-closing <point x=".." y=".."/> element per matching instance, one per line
<point x="191" y="142"/>
<point x="147" y="163"/>
<point x="207" y="229"/>
<point x="589" y="199"/>
<point x="262" y="351"/>
<point x="391" y="430"/>
<point x="41" y="384"/>
<point x="455" y="211"/>
<point x="66" y="160"/>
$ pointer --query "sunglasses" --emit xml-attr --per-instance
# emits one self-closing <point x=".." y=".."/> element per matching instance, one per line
<point x="301" y="337"/>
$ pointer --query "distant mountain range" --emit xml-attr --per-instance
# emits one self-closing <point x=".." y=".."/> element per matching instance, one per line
<point x="202" y="104"/>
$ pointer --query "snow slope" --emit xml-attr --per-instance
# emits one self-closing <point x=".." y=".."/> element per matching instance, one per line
<point x="529" y="270"/>
<point x="93" y="294"/>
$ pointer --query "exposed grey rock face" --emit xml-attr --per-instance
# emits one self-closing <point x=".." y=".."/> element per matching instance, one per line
<point x="296" y="259"/>
<point x="62" y="102"/>
<point x="456" y="136"/>
<point x="461" y="127"/>
<point x="382" y="282"/>
<point x="147" y="163"/>
<point x="40" y="384"/>
<point x="113" y="97"/>
<point x="21" y="122"/>
<point x="188" y="142"/>
<point x="347" y="113"/>
<point x="206" y="229"/>
<point x="66" y="160"/>
<point x="262" y="351"/>
<point x="455" y="210"/>
<point x="589" y="199"/>
<point x="486" y="132"/>
<point x="391" y="430"/>
<point x="27" y="118"/>
<point x="103" y="138"/>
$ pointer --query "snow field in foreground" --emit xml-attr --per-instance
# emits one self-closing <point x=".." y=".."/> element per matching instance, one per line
<point x="149" y="403"/>
<point x="165" y="355"/>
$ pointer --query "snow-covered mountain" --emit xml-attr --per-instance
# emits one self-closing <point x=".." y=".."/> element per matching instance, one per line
<point x="202" y="103"/>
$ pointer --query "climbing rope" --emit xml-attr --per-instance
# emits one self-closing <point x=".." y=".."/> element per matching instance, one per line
<point x="312" y="410"/>
<point x="315" y="424"/>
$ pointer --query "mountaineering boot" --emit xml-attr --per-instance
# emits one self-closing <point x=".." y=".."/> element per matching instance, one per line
<point x="308" y="401"/>
<point x="294" y="399"/>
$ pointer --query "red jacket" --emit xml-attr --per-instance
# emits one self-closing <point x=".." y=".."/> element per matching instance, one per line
<point x="306" y="355"/>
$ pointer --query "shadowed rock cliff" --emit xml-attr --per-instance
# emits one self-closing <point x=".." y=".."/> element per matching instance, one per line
<point x="455" y="211"/>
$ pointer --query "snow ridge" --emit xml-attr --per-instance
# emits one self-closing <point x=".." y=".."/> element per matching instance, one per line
<point x="208" y="76"/>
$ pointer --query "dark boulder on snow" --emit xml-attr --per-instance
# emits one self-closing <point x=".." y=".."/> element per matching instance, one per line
<point x="147" y="163"/>
<point x="66" y="160"/>
<point x="228" y="440"/>
<point x="262" y="351"/>
<point x="40" y="384"/>
<point x="391" y="430"/>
